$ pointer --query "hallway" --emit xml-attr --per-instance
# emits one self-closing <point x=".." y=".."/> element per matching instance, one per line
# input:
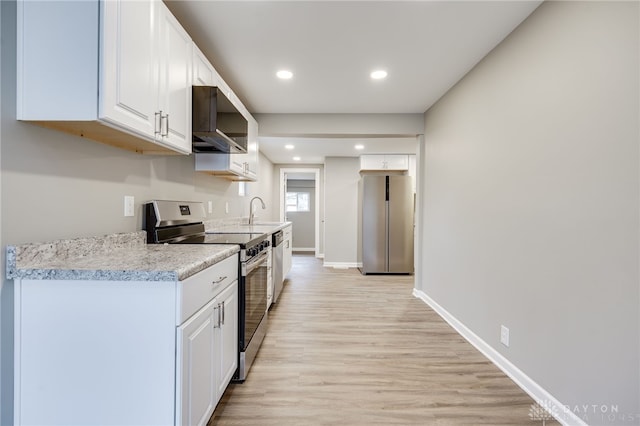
<point x="343" y="348"/>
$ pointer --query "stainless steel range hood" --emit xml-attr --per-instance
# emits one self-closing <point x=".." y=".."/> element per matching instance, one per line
<point x="217" y="125"/>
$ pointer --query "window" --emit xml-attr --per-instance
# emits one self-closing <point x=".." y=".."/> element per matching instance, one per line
<point x="297" y="201"/>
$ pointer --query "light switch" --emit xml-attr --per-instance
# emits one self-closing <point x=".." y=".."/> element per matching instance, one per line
<point x="226" y="207"/>
<point x="129" y="209"/>
<point x="504" y="335"/>
<point x="210" y="204"/>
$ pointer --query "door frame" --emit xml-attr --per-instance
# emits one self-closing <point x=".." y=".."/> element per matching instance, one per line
<point x="283" y="184"/>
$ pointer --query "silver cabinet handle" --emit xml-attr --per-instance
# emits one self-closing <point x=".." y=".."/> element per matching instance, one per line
<point x="157" y="125"/>
<point x="219" y="280"/>
<point x="216" y="325"/>
<point x="166" y="134"/>
<point x="223" y="311"/>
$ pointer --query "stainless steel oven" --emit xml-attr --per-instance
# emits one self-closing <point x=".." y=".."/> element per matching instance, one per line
<point x="253" y="304"/>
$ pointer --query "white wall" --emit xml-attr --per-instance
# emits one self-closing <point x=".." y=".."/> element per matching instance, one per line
<point x="341" y="214"/>
<point x="531" y="215"/>
<point x="56" y="186"/>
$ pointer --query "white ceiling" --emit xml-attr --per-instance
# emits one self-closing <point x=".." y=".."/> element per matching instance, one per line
<point x="332" y="46"/>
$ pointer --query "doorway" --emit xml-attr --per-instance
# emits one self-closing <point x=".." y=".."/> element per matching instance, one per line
<point x="300" y="200"/>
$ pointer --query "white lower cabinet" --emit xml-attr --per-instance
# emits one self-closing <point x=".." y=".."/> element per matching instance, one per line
<point x="125" y="352"/>
<point x="227" y="343"/>
<point x="208" y="356"/>
<point x="198" y="359"/>
<point x="288" y="250"/>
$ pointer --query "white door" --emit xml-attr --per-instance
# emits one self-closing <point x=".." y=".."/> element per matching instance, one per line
<point x="198" y="360"/>
<point x="129" y="71"/>
<point x="228" y="336"/>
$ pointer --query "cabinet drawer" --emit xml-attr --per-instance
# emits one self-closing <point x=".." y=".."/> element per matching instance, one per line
<point x="197" y="290"/>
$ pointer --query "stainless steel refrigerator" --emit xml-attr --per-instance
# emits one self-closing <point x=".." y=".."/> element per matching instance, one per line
<point x="386" y="224"/>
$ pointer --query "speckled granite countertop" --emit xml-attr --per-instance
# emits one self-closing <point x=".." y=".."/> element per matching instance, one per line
<point x="117" y="257"/>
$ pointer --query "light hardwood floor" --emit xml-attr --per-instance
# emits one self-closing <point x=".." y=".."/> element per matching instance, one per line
<point x="348" y="349"/>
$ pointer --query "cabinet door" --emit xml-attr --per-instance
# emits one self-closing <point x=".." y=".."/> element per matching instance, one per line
<point x="203" y="72"/>
<point x="129" y="70"/>
<point x="197" y="360"/>
<point x="372" y="162"/>
<point x="238" y="163"/>
<point x="396" y="162"/>
<point x="174" y="103"/>
<point x="288" y="251"/>
<point x="227" y="341"/>
<point x="252" y="155"/>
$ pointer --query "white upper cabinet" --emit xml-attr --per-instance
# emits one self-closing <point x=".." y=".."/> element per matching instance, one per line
<point x="251" y="158"/>
<point x="203" y="72"/>
<point x="175" y="80"/>
<point x="384" y="162"/>
<point x="118" y="72"/>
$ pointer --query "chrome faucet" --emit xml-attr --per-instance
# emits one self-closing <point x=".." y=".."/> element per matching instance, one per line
<point x="251" y="208"/>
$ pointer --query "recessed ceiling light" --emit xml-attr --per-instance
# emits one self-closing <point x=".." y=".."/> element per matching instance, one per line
<point x="289" y="146"/>
<point x="296" y="158"/>
<point x="284" y="74"/>
<point x="378" y="74"/>
<point x="359" y="147"/>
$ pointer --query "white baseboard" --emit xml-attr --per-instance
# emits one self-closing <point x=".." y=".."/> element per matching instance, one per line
<point x="303" y="249"/>
<point x="558" y="410"/>
<point x="340" y="265"/>
<point x="320" y="255"/>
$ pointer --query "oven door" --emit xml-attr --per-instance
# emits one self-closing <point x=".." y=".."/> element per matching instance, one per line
<point x="254" y="281"/>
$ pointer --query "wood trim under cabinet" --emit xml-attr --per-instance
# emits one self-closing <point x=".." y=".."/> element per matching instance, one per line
<point x="100" y="132"/>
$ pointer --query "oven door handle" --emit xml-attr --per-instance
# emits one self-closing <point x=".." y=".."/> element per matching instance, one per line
<point x="248" y="267"/>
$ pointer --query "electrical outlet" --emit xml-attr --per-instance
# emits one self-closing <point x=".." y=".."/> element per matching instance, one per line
<point x="210" y="207"/>
<point x="504" y="335"/>
<point x="129" y="206"/>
